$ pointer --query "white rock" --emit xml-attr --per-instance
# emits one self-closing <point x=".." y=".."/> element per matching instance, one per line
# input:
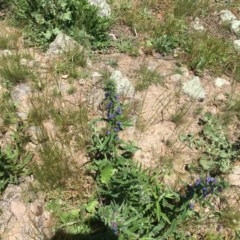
<point x="236" y="44"/>
<point x="124" y="86"/>
<point x="234" y="176"/>
<point x="235" y="26"/>
<point x="20" y="95"/>
<point x="61" y="44"/>
<point x="175" y="77"/>
<point x="219" y="82"/>
<point x="96" y="75"/>
<point x="197" y="25"/>
<point x="194" y="89"/>
<point x="23" y="61"/>
<point x="103" y="6"/>
<point x="227" y="16"/>
<point x="6" y="53"/>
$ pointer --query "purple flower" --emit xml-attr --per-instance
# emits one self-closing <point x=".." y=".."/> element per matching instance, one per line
<point x="210" y="180"/>
<point x="114" y="227"/>
<point x="118" y="111"/>
<point x="197" y="183"/>
<point x="116" y="129"/>
<point x="109" y="105"/>
<point x="111" y="116"/>
<point x="191" y="205"/>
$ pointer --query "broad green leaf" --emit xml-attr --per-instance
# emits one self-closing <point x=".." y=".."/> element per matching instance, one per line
<point x="107" y="173"/>
<point x="67" y="16"/>
<point x="91" y="206"/>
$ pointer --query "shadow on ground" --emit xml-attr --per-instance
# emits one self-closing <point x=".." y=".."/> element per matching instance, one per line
<point x="61" y="235"/>
<point x="104" y="233"/>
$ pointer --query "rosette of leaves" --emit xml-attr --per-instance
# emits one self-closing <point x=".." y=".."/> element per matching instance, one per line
<point x="217" y="152"/>
<point x="44" y="19"/>
<point x="11" y="166"/>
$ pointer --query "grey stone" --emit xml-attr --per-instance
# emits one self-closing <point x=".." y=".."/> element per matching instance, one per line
<point x="31" y="63"/>
<point x="221" y="97"/>
<point x="227" y="16"/>
<point x="219" y="82"/>
<point x="23" y="61"/>
<point x="197" y="25"/>
<point x="6" y="53"/>
<point x="123" y="85"/>
<point x="20" y="95"/>
<point x="35" y="134"/>
<point x="236" y="44"/>
<point x="103" y="6"/>
<point x="96" y="75"/>
<point x="176" y="77"/>
<point x="194" y="89"/>
<point x="61" y="44"/>
<point x="235" y="27"/>
<point x="234" y="176"/>
<point x="95" y="97"/>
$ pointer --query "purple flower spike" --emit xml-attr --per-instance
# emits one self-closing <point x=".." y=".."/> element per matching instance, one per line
<point x="210" y="180"/>
<point x="198" y="182"/>
<point x="191" y="205"/>
<point x="114" y="227"/>
<point x="119" y="111"/>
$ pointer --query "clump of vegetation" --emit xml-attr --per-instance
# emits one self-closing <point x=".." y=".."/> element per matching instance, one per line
<point x="70" y="61"/>
<point x="13" y="162"/>
<point x="217" y="152"/>
<point x="12" y="71"/>
<point x="46" y="18"/>
<point x="147" y="77"/>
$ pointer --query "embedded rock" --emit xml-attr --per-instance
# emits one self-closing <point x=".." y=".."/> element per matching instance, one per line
<point x="6" y="53"/>
<point x="61" y="44"/>
<point x="194" y="89"/>
<point x="197" y="25"/>
<point x="227" y="16"/>
<point x="236" y="44"/>
<point x="124" y="86"/>
<point x="104" y="8"/>
<point x="235" y="27"/>
<point x="234" y="176"/>
<point x="219" y="82"/>
<point x="20" y="95"/>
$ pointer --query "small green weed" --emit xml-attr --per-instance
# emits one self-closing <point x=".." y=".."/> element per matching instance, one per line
<point x="147" y="77"/>
<point x="129" y="46"/>
<point x="13" y="161"/>
<point x="180" y="116"/>
<point x="9" y="41"/>
<point x="217" y="153"/>
<point x="169" y="35"/>
<point x="53" y="171"/>
<point x="230" y="217"/>
<point x="209" y="52"/>
<point x="190" y="8"/>
<point x="8" y="110"/>
<point x="76" y="119"/>
<point x="70" y="61"/>
<point x="12" y="71"/>
<point x="165" y="43"/>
